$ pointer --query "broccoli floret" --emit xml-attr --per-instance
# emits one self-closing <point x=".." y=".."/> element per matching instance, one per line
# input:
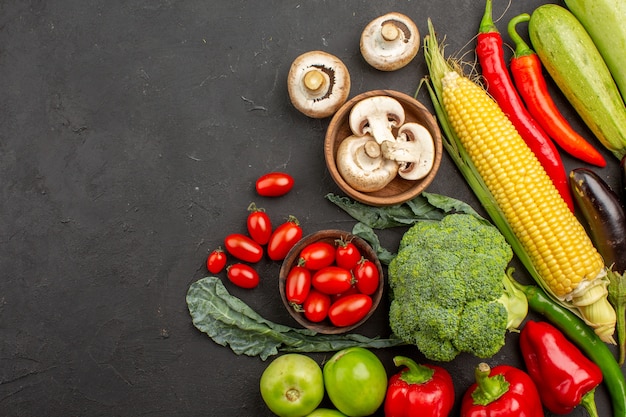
<point x="450" y="291"/>
<point x="481" y="328"/>
<point x="435" y="349"/>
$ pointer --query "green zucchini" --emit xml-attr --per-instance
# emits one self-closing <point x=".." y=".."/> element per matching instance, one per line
<point x="605" y="20"/>
<point x="573" y="61"/>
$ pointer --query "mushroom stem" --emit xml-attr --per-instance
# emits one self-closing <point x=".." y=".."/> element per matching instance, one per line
<point x="314" y="80"/>
<point x="389" y="31"/>
<point x="372" y="149"/>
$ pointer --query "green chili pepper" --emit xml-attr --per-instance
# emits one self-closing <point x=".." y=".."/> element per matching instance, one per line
<point x="586" y="340"/>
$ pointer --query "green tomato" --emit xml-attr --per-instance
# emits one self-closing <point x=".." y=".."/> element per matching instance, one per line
<point x="326" y="412"/>
<point x="356" y="381"/>
<point x="292" y="385"/>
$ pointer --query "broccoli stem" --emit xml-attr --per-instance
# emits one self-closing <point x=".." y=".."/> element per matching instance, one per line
<point x="515" y="302"/>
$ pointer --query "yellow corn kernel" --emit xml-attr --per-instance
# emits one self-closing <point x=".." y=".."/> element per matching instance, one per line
<point x="556" y="242"/>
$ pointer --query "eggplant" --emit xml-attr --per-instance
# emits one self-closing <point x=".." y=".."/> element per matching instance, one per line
<point x="604" y="214"/>
<point x="622" y="173"/>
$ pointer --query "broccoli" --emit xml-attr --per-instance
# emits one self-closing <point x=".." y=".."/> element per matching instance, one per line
<point x="450" y="288"/>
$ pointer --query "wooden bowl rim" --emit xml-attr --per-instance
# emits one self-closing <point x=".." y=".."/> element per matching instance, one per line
<point x="339" y="119"/>
<point x="291" y="259"/>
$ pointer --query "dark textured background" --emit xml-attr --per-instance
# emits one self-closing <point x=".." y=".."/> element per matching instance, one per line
<point x="131" y="134"/>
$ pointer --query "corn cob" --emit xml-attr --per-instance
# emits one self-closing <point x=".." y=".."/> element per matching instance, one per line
<point x="566" y="262"/>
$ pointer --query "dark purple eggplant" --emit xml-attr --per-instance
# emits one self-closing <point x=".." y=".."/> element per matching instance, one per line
<point x="622" y="172"/>
<point x="604" y="214"/>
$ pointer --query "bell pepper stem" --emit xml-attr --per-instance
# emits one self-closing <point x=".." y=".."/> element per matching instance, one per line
<point x="489" y="388"/>
<point x="589" y="402"/>
<point x="416" y="373"/>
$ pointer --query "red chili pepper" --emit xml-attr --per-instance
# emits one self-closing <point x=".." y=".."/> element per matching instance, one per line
<point x="527" y="73"/>
<point x="565" y="377"/>
<point x="504" y="391"/>
<point x="500" y="86"/>
<point x="419" y="390"/>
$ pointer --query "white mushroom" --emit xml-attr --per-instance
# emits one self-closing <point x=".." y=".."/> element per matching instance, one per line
<point x="377" y="116"/>
<point x="318" y="84"/>
<point x="414" y="150"/>
<point x="390" y="42"/>
<point x="362" y="166"/>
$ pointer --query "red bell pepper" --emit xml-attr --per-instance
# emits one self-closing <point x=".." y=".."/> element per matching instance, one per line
<point x="565" y="377"/>
<point x="419" y="390"/>
<point x="504" y="391"/>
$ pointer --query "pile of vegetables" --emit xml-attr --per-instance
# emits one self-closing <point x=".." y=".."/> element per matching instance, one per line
<point x="450" y="286"/>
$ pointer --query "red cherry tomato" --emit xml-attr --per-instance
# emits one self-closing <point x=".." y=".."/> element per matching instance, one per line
<point x="243" y="248"/>
<point x="216" y="261"/>
<point x="259" y="224"/>
<point x="349" y="310"/>
<point x="242" y="275"/>
<point x="366" y="276"/>
<point x="348" y="255"/>
<point x="317" y="255"/>
<point x="297" y="284"/>
<point x="283" y="238"/>
<point x="274" y="184"/>
<point x="332" y="280"/>
<point x="316" y="306"/>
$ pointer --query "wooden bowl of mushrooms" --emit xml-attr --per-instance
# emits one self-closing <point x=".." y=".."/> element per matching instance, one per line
<point x="383" y="147"/>
<point x="312" y="293"/>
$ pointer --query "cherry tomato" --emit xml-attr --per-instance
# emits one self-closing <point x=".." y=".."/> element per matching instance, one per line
<point x="316" y="306"/>
<point x="349" y="310"/>
<point x="274" y="184"/>
<point x="317" y="255"/>
<point x="348" y="255"/>
<point x="297" y="284"/>
<point x="283" y="238"/>
<point x="366" y="276"/>
<point x="259" y="224"/>
<point x="243" y="248"/>
<point x="216" y="261"/>
<point x="242" y="275"/>
<point x="332" y="280"/>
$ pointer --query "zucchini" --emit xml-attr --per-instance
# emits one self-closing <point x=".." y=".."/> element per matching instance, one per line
<point x="572" y="60"/>
<point x="604" y="22"/>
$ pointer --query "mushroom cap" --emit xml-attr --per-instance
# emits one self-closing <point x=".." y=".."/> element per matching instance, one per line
<point x="318" y="84"/>
<point x="390" y="42"/>
<point x="362" y="166"/>
<point x="377" y="115"/>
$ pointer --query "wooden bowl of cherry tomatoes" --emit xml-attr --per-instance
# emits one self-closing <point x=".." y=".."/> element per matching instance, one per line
<point x="331" y="281"/>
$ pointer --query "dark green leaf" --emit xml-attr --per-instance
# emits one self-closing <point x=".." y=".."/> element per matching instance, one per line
<point x="230" y="322"/>
<point x="404" y="214"/>
<point x="367" y="233"/>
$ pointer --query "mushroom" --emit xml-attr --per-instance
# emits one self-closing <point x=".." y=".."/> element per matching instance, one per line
<point x="362" y="166"/>
<point x="414" y="150"/>
<point x="318" y="84"/>
<point x="377" y="116"/>
<point x="390" y="42"/>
